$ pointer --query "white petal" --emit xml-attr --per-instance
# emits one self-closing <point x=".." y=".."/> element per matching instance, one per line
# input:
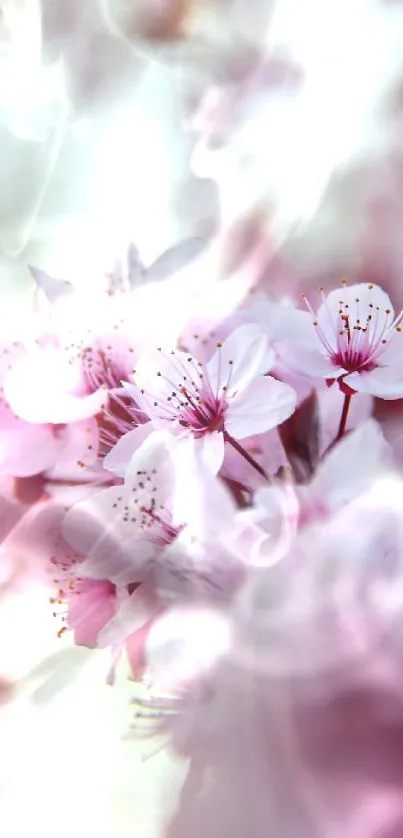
<point x="263" y="405"/>
<point x="154" y="455"/>
<point x="42" y="387"/>
<point x="392" y="354"/>
<point x="174" y="259"/>
<point x="307" y="359"/>
<point x="120" y="455"/>
<point x="27" y="449"/>
<point x="161" y="373"/>
<point x="209" y="450"/>
<point x="351" y="466"/>
<point x="240" y="358"/>
<point x="96" y="528"/>
<point x="200" y="498"/>
<point x="384" y="382"/>
<point x="284" y="322"/>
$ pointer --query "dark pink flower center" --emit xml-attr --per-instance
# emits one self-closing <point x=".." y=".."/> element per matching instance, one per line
<point x="152" y="519"/>
<point x="356" y="333"/>
<point x="192" y="402"/>
<point x="120" y="413"/>
<point x="353" y="361"/>
<point x="158" y="525"/>
<point x="202" y="414"/>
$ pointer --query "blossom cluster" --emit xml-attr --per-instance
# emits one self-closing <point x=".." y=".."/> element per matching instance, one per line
<point x="162" y="459"/>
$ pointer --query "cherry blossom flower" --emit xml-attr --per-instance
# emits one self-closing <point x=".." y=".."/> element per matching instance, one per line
<point x="228" y="398"/>
<point x="89" y="344"/>
<point x="161" y="527"/>
<point x="123" y="529"/>
<point x="79" y="604"/>
<point x="355" y="340"/>
<point x="171" y="536"/>
<point x="75" y="374"/>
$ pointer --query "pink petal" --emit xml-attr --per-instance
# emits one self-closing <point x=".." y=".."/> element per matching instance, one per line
<point x="308" y="360"/>
<point x="119" y="457"/>
<point x="141" y="399"/>
<point x="346" y="472"/>
<point x="393" y="352"/>
<point x="28" y="449"/>
<point x="240" y="358"/>
<point x="384" y="382"/>
<point x="283" y="322"/>
<point x="40" y="388"/>
<point x="135" y="611"/>
<point x="156" y="454"/>
<point x="135" y="648"/>
<point x="200" y="498"/>
<point x="265" y="404"/>
<point x="209" y="450"/>
<point x="174" y="259"/>
<point x="38" y="536"/>
<point x="90" y="609"/>
<point x="80" y="446"/>
<point x="11" y="508"/>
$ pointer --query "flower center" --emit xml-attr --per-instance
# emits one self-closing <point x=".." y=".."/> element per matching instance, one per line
<point x="120" y="413"/>
<point x="192" y="402"/>
<point x="202" y="412"/>
<point x="158" y="525"/>
<point x="357" y="332"/>
<point x="152" y="518"/>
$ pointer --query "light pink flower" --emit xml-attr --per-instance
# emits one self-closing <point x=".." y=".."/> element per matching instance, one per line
<point x="89" y="343"/>
<point x="355" y="340"/>
<point x="125" y="529"/>
<point x="228" y="397"/>
<point x="37" y="549"/>
<point x="75" y="375"/>
<point x="170" y="536"/>
<point x="165" y="527"/>
<point x="197" y="573"/>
